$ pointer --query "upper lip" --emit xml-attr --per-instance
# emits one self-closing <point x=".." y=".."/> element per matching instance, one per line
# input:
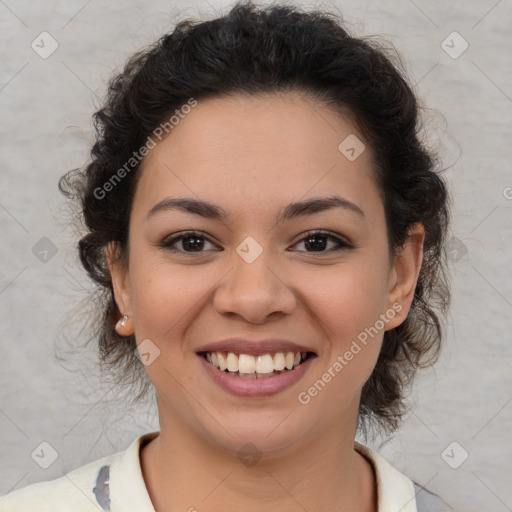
<point x="254" y="347"/>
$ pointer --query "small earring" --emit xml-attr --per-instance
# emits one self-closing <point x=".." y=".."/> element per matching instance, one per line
<point x="121" y="328"/>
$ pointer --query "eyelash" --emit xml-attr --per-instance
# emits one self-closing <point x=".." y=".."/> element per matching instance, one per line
<point x="342" y="244"/>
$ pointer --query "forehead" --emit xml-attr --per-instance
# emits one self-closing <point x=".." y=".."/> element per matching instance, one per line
<point x="251" y="150"/>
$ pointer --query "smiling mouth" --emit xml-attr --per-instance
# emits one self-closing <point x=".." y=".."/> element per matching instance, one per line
<point x="263" y="366"/>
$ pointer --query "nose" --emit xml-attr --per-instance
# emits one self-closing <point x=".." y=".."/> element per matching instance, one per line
<point x="255" y="289"/>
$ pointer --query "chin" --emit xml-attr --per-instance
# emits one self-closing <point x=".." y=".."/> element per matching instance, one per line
<point x="269" y="436"/>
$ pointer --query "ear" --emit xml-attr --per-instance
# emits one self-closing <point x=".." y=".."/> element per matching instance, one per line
<point x="404" y="275"/>
<point x="120" y="281"/>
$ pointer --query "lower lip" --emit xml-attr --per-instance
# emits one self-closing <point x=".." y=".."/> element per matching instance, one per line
<point x="256" y="387"/>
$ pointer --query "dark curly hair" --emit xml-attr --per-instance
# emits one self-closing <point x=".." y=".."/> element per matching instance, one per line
<point x="256" y="50"/>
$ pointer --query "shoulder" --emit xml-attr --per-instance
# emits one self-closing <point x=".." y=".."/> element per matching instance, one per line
<point x="396" y="491"/>
<point x="116" y="478"/>
<point x="80" y="490"/>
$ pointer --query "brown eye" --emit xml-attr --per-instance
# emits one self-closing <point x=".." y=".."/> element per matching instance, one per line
<point x="189" y="242"/>
<point x="318" y="241"/>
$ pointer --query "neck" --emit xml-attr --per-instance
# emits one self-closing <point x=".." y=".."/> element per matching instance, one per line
<point x="184" y="471"/>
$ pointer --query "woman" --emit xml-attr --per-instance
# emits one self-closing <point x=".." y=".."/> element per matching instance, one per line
<point x="268" y="232"/>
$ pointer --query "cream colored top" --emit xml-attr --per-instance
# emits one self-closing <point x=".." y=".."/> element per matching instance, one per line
<point x="115" y="484"/>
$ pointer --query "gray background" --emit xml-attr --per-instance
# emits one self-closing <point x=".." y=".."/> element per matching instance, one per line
<point x="46" y="107"/>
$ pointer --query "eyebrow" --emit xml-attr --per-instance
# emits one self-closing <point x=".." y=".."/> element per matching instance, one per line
<point x="293" y="210"/>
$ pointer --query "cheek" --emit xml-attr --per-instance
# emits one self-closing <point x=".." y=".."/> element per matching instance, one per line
<point x="348" y="304"/>
<point x="348" y="299"/>
<point x="348" y="318"/>
<point x="165" y="297"/>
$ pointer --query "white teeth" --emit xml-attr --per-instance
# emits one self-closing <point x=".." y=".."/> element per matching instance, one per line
<point x="232" y="362"/>
<point x="264" y="364"/>
<point x="248" y="365"/>
<point x="289" y="359"/>
<point x="221" y="361"/>
<point x="279" y="361"/>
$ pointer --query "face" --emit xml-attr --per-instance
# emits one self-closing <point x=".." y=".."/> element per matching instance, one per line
<point x="289" y="253"/>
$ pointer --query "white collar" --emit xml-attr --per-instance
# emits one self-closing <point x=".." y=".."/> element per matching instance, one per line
<point x="395" y="492"/>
